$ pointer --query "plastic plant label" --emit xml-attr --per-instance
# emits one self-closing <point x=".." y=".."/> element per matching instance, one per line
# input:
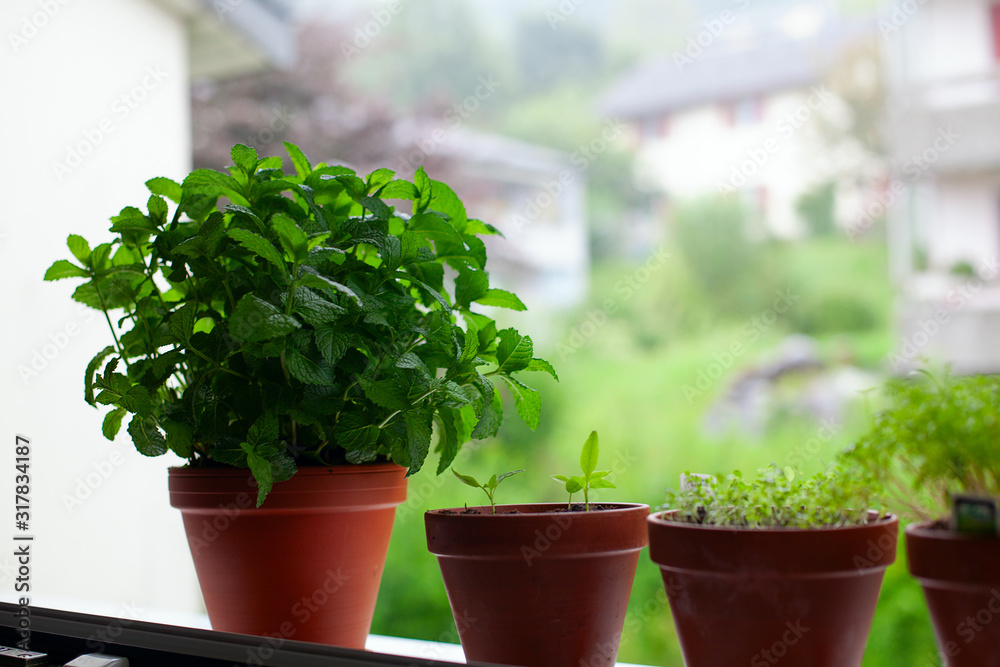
<point x="976" y="515"/>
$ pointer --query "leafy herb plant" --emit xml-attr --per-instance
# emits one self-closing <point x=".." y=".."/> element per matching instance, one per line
<point x="776" y="499"/>
<point x="304" y="322"/>
<point x="591" y="477"/>
<point x="935" y="437"/>
<point x="490" y="487"/>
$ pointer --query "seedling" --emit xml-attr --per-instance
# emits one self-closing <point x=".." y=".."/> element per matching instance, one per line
<point x="490" y="487"/>
<point x="591" y="478"/>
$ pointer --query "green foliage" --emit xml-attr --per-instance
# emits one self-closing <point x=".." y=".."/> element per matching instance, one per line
<point x="833" y="313"/>
<point x="306" y="322"/>
<point x="591" y="477"/>
<point x="490" y="487"/>
<point x="778" y="498"/>
<point x="935" y="438"/>
<point x="817" y="209"/>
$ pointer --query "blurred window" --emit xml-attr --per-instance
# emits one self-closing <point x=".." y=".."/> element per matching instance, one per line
<point x="995" y="20"/>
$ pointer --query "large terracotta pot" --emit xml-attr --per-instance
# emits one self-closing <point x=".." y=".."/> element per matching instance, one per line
<point x="531" y="586"/>
<point x="759" y="597"/>
<point x="960" y="575"/>
<point x="307" y="564"/>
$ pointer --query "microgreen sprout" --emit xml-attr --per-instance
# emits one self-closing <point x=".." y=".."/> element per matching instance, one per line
<point x="490" y="487"/>
<point x="591" y="478"/>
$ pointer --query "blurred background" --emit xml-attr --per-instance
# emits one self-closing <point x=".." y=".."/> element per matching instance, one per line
<point x="728" y="219"/>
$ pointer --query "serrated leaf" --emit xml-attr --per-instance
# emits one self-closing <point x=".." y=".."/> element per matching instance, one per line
<point x="305" y="370"/>
<point x="385" y="393"/>
<point x="314" y="309"/>
<point x="501" y="299"/>
<point x="378" y="178"/>
<point x="588" y="457"/>
<point x="79" y="247"/>
<point x="236" y="208"/>
<point x="264" y="431"/>
<point x="470" y="285"/>
<point x="256" y="320"/>
<point x="260" y="468"/>
<point x="471" y="346"/>
<point x="444" y="199"/>
<point x="292" y="238"/>
<point x="399" y="189"/>
<point x="424" y="187"/>
<point x="88" y="378"/>
<point x="353" y="432"/>
<point x="322" y="282"/>
<point x="182" y="322"/>
<point x="146" y="436"/>
<point x="467" y="479"/>
<point x="434" y="228"/>
<point x="448" y="438"/>
<point x="283" y="468"/>
<point x="165" y="187"/>
<point x="537" y="364"/>
<point x="157" y="208"/>
<point x="490" y="419"/>
<point x="527" y="401"/>
<point x="113" y="423"/>
<point x="418" y="436"/>
<point x="299" y="159"/>
<point x="258" y="245"/>
<point x="513" y="352"/>
<point x="64" y="268"/>
<point x="244" y="157"/>
<point x="180" y="438"/>
<point x="332" y="344"/>
<point x="211" y="183"/>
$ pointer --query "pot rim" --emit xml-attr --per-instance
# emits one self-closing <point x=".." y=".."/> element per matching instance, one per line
<point x="459" y="512"/>
<point x="924" y="531"/>
<point x="656" y="519"/>
<point x="232" y="471"/>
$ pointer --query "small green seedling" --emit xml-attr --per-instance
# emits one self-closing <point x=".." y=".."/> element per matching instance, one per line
<point x="490" y="487"/>
<point x="591" y="478"/>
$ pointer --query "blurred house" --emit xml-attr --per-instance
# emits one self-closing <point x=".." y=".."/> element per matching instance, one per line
<point x="943" y="67"/>
<point x="734" y="111"/>
<point x="103" y="99"/>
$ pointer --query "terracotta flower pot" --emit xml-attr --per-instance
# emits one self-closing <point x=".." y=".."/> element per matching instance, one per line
<point x="538" y="587"/>
<point x="307" y="564"/>
<point x="960" y="576"/>
<point x="759" y="597"/>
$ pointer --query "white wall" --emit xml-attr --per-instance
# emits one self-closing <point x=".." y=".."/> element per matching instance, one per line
<point x="967" y="211"/>
<point x="62" y="88"/>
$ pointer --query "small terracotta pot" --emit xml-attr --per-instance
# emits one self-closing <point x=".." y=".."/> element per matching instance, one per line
<point x="759" y="597"/>
<point x="307" y="564"/>
<point x="538" y="587"/>
<point x="960" y="575"/>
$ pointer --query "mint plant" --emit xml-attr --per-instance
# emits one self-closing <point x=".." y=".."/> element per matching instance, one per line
<point x="304" y="322"/>
<point x="934" y="438"/>
<point x="778" y="498"/>
<point x="490" y="487"/>
<point x="591" y="477"/>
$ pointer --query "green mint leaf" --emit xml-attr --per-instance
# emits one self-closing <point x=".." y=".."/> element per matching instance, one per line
<point x="399" y="189"/>
<point x="180" y="438"/>
<point x="305" y="370"/>
<point x="182" y="322"/>
<point x="165" y="188"/>
<point x="146" y="436"/>
<point x="113" y="423"/>
<point x="424" y="187"/>
<point x="157" y="208"/>
<point x="444" y="199"/>
<point x="588" y="457"/>
<point x="377" y="179"/>
<point x="292" y="238"/>
<point x="212" y="184"/>
<point x="64" y="268"/>
<point x="354" y="432"/>
<point x="332" y="343"/>
<point x="258" y="245"/>
<point x="244" y="157"/>
<point x="433" y="228"/>
<point x="322" y="282"/>
<point x="385" y="393"/>
<point x="80" y="248"/>
<point x="526" y="400"/>
<point x="470" y="285"/>
<point x="501" y="299"/>
<point x="255" y="320"/>
<point x="541" y="365"/>
<point x="513" y="352"/>
<point x="260" y="468"/>
<point x="236" y="208"/>
<point x="299" y="160"/>
<point x="88" y="378"/>
<point x="264" y="431"/>
<point x="314" y="309"/>
<point x="467" y="479"/>
<point x="490" y="419"/>
<point x="418" y="436"/>
<point x="448" y="438"/>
